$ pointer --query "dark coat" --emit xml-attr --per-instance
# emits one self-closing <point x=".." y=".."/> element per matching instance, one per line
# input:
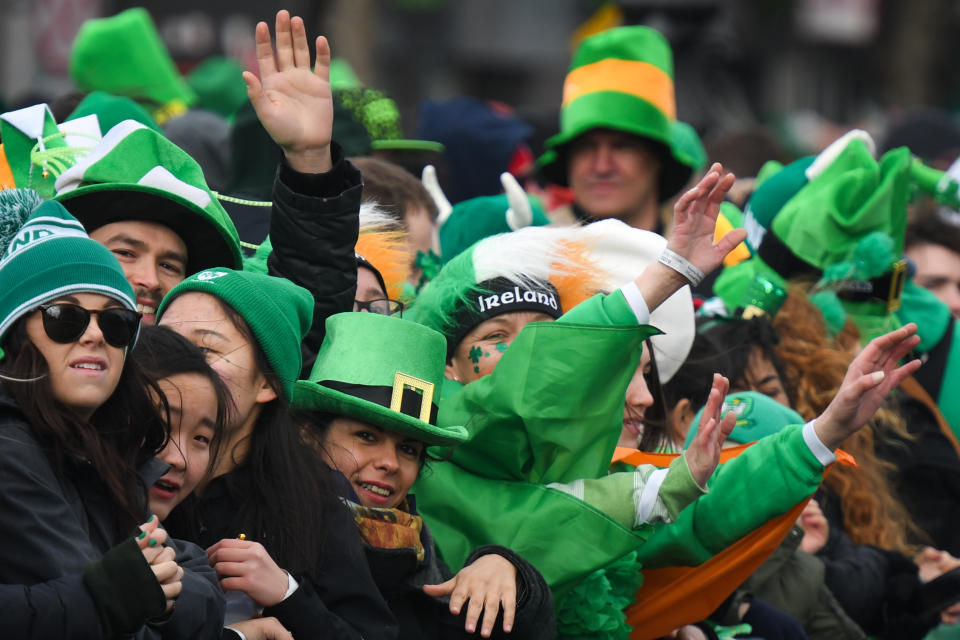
<point x="879" y="589"/>
<point x="338" y="601"/>
<point x="56" y="523"/>
<point x="313" y="227"/>
<point x="400" y="578"/>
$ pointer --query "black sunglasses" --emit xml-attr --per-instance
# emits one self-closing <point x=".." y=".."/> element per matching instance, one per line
<point x="65" y="323"/>
<point x="383" y="306"/>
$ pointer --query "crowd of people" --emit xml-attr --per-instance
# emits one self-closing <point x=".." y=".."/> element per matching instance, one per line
<point x="260" y="378"/>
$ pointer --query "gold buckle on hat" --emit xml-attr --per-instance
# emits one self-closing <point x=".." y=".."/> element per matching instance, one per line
<point x="898" y="278"/>
<point x="402" y="381"/>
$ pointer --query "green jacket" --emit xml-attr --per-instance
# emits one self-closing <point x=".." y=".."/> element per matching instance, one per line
<point x="527" y="430"/>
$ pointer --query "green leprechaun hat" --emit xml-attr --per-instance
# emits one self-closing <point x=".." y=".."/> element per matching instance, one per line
<point x="622" y="79"/>
<point x="822" y="219"/>
<point x="38" y="150"/>
<point x="135" y="173"/>
<point x="124" y="55"/>
<point x="381" y="370"/>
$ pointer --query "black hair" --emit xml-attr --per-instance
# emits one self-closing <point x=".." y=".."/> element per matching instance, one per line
<point x="285" y="491"/>
<point x="316" y="426"/>
<point x="655" y="434"/>
<point x="735" y="341"/>
<point x="694" y="379"/>
<point x="123" y="432"/>
<point x="162" y="353"/>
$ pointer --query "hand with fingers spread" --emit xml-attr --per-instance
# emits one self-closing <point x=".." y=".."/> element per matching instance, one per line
<point x="713" y="430"/>
<point x="293" y="102"/>
<point x="243" y="565"/>
<point x="489" y="583"/>
<point x="869" y="379"/>
<point x="695" y="219"/>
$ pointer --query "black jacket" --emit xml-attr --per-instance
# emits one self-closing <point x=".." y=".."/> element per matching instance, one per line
<point x="56" y="523"/>
<point x="338" y="601"/>
<point x="400" y="578"/>
<point x="879" y="589"/>
<point x="313" y="227"/>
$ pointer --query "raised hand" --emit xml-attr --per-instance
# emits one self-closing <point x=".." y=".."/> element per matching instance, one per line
<point x="869" y="379"/>
<point x="243" y="565"/>
<point x="703" y="456"/>
<point x="488" y="583"/>
<point x="294" y="104"/>
<point x="695" y="221"/>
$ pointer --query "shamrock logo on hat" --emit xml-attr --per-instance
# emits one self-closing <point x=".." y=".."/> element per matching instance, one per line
<point x="210" y="275"/>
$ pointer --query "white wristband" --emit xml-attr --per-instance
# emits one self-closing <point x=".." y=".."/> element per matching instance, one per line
<point x="682" y="266"/>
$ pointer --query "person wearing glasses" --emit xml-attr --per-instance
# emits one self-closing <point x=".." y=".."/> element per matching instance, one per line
<point x="77" y="425"/>
<point x="299" y="558"/>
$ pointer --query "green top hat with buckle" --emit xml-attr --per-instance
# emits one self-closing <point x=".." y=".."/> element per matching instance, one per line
<point x="622" y="79"/>
<point x="384" y="371"/>
<point x="135" y="173"/>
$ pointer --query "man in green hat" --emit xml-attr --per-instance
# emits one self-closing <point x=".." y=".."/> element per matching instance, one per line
<point x="620" y="147"/>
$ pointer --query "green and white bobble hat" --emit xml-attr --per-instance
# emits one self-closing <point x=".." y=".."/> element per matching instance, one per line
<point x="48" y="255"/>
<point x="134" y="173"/>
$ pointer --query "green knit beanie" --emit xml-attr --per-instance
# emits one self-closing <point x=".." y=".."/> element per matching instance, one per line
<point x="278" y="312"/>
<point x="47" y="255"/>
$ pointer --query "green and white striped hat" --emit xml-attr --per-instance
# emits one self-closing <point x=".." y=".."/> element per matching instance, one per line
<point x="135" y="173"/>
<point x="47" y="254"/>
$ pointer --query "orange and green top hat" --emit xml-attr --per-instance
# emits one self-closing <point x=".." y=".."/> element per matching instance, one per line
<point x="622" y="79"/>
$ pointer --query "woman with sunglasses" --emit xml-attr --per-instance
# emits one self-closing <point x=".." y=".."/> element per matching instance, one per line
<point x="77" y="425"/>
<point x="280" y="541"/>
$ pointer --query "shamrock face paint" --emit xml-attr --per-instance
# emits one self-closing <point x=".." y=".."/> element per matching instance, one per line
<point x="481" y="349"/>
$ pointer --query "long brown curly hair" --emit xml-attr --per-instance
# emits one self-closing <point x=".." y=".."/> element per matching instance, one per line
<point x="872" y="511"/>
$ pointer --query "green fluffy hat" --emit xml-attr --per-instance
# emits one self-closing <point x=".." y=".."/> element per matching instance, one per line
<point x="278" y="312"/>
<point x="838" y="218"/>
<point x="758" y="416"/>
<point x="47" y="255"/>
<point x="384" y="371"/>
<point x="124" y="55"/>
<point x="134" y="173"/>
<point x="622" y="79"/>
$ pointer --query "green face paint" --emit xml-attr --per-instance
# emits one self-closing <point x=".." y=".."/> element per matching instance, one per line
<point x="502" y="346"/>
<point x="475" y="353"/>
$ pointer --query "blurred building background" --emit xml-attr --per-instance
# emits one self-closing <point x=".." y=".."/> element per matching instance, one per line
<point x="804" y="69"/>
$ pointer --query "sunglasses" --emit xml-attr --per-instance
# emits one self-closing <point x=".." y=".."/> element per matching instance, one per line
<point x="65" y="323"/>
<point x="383" y="306"/>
